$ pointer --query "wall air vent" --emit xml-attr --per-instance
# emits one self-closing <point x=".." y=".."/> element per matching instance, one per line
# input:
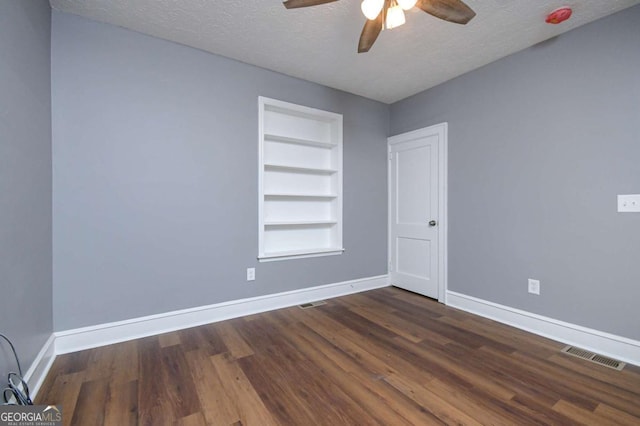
<point x="312" y="304"/>
<point x="594" y="357"/>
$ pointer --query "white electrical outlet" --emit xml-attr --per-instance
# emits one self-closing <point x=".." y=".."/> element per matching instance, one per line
<point x="251" y="274"/>
<point x="534" y="286"/>
<point x="629" y="203"/>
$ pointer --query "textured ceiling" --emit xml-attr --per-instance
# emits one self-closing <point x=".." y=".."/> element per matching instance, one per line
<point x="320" y="43"/>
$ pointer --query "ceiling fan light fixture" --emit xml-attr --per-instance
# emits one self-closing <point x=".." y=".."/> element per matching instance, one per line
<point x="407" y="4"/>
<point x="371" y="8"/>
<point x="389" y="14"/>
<point x="395" y="16"/>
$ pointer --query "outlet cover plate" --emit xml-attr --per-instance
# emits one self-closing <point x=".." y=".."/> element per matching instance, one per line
<point x="534" y="286"/>
<point x="251" y="274"/>
<point x="629" y="203"/>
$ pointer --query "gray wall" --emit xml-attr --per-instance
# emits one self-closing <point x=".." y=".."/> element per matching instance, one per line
<point x="25" y="180"/>
<point x="540" y="143"/>
<point x="155" y="184"/>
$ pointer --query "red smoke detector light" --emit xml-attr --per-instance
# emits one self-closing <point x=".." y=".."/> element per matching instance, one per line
<point x="559" y="15"/>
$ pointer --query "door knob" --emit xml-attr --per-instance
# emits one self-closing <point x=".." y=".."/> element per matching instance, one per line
<point x="432" y="223"/>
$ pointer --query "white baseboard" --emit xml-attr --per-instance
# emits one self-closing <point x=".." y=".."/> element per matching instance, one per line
<point x="106" y="334"/>
<point x="617" y="347"/>
<point x="36" y="374"/>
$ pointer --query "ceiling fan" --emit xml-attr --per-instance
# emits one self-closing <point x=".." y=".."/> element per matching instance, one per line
<point x="389" y="14"/>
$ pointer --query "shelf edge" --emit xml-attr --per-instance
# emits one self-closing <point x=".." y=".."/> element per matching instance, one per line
<point x="275" y="256"/>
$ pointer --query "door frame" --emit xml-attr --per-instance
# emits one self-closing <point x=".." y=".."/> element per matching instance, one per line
<point x="443" y="230"/>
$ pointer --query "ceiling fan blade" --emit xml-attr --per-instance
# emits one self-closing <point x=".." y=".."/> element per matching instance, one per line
<point x="293" y="4"/>
<point x="449" y="10"/>
<point x="370" y="33"/>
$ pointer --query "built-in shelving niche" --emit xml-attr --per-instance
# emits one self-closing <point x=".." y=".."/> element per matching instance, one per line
<point x="300" y="181"/>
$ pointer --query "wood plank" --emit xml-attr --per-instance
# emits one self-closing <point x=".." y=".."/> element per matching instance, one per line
<point x="624" y="379"/>
<point x="233" y="341"/>
<point x="434" y="309"/>
<point x="431" y="402"/>
<point x="71" y="363"/>
<point x="319" y="397"/>
<point x="179" y="388"/>
<point x="90" y="408"/>
<point x="152" y="397"/>
<point x="539" y="413"/>
<point x="389" y="343"/>
<point x="125" y="362"/>
<point x="547" y="380"/>
<point x="392" y="323"/>
<point x="360" y="300"/>
<point x="169" y="339"/>
<point x="528" y="383"/>
<point x="370" y="392"/>
<point x="259" y="334"/>
<point x="63" y="392"/>
<point x="617" y="416"/>
<point x="579" y="414"/>
<point x="378" y="361"/>
<point x="118" y="363"/>
<point x="476" y="376"/>
<point x="204" y="337"/>
<point x="585" y="385"/>
<point x="480" y="405"/>
<point x="216" y="404"/>
<point x="196" y="419"/>
<point x="283" y="401"/>
<point x="121" y="407"/>
<point x="542" y="347"/>
<point x="249" y="407"/>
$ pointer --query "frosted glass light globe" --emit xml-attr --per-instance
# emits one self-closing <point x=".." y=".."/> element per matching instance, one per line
<point x="371" y="8"/>
<point x="395" y="17"/>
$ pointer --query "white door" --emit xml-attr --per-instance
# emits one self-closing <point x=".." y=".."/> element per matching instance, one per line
<point x="417" y="170"/>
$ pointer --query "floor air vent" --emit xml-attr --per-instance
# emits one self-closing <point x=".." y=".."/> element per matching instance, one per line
<point x="594" y="357"/>
<point x="312" y="304"/>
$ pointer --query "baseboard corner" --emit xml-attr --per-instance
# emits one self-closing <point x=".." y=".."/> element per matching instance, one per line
<point x="41" y="365"/>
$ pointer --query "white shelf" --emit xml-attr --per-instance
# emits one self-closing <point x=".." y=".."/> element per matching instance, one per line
<point x="301" y="253"/>
<point x="296" y="169"/>
<point x="301" y="141"/>
<point x="300" y="181"/>
<point x="300" y="223"/>
<point x="282" y="195"/>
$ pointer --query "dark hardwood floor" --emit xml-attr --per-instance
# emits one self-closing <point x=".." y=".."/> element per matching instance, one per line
<point x="382" y="357"/>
